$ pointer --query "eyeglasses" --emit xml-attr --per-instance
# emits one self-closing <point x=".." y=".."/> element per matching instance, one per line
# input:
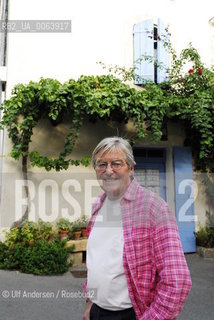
<point x="115" y="165"/>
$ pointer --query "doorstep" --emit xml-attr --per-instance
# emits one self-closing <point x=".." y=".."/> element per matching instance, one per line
<point x="79" y="271"/>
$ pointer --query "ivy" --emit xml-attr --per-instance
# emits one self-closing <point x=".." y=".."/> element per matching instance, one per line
<point x="187" y="96"/>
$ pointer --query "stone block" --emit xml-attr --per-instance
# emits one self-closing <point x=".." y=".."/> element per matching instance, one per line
<point x="207" y="253"/>
<point x="80" y="245"/>
<point x="76" y="257"/>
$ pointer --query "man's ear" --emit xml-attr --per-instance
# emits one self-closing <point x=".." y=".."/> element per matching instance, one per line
<point x="131" y="169"/>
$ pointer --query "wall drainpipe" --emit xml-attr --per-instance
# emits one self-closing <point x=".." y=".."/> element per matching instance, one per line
<point x="3" y="56"/>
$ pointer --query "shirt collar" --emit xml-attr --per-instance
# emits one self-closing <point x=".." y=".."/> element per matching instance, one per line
<point x="131" y="191"/>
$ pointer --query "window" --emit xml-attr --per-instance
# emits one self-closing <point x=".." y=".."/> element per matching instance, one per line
<point x="151" y="53"/>
<point x="148" y="154"/>
<point x="150" y="169"/>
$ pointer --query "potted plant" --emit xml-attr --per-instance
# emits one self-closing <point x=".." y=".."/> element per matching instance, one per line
<point x="28" y="232"/>
<point x="46" y="230"/>
<point x="84" y="222"/>
<point x="63" y="226"/>
<point x="205" y="238"/>
<point x="76" y="229"/>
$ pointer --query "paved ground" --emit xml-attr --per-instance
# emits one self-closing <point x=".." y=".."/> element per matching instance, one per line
<point x="28" y="297"/>
<point x="200" y="302"/>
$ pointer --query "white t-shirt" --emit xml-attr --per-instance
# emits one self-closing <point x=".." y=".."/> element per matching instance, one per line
<point x="106" y="275"/>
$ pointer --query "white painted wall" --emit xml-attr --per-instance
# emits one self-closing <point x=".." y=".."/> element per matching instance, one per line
<point x="101" y="31"/>
<point x="52" y="201"/>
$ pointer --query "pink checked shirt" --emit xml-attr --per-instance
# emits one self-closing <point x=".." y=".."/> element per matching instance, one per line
<point x="157" y="274"/>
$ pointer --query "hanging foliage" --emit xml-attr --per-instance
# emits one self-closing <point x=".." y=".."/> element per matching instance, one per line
<point x="187" y="96"/>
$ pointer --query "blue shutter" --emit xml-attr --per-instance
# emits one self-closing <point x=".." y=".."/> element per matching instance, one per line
<point x="143" y="44"/>
<point x="184" y="197"/>
<point x="162" y="53"/>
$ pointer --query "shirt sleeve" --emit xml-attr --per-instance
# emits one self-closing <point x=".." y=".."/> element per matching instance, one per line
<point x="174" y="281"/>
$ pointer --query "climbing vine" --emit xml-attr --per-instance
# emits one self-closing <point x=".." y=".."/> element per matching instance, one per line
<point x="187" y="96"/>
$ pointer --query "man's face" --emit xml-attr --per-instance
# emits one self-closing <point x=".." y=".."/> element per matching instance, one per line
<point x="113" y="172"/>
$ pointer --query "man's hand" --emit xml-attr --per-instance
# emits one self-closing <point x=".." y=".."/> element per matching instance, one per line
<point x="86" y="314"/>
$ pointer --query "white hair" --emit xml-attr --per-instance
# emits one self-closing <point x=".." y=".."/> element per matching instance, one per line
<point x="110" y="143"/>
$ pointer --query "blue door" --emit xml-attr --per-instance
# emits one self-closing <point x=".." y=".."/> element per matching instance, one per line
<point x="184" y="197"/>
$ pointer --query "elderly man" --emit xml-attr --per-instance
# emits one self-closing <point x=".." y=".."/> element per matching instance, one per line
<point x="136" y="268"/>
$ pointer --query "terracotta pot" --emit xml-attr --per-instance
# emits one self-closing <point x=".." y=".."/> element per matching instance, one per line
<point x="31" y="243"/>
<point x="84" y="233"/>
<point x="77" y="234"/>
<point x="63" y="234"/>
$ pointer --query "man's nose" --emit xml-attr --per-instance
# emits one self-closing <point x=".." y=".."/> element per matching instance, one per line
<point x="109" y="168"/>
